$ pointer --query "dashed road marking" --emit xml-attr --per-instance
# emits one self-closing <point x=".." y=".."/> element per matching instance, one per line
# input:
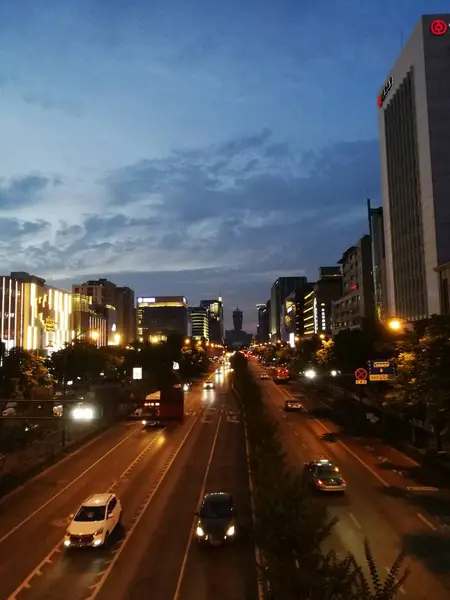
<point x="355" y="521"/>
<point x="422" y="488"/>
<point x="426" y="521"/>
<point x="57" y="549"/>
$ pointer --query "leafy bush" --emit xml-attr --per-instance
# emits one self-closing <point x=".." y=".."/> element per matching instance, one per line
<point x="290" y="526"/>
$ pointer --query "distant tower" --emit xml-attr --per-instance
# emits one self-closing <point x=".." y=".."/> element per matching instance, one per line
<point x="237" y="319"/>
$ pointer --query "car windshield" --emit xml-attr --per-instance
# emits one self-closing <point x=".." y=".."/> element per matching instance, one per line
<point x="217" y="509"/>
<point x="91" y="513"/>
<point x="327" y="471"/>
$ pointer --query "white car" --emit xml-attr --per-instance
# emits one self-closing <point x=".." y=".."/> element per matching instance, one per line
<point x="208" y="385"/>
<point x="94" y="521"/>
<point x="264" y="376"/>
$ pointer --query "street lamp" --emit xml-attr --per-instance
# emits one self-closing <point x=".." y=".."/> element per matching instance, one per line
<point x="395" y="324"/>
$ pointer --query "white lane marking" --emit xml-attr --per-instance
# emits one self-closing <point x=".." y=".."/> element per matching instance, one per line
<point x="64" y="489"/>
<point x="304" y="446"/>
<point x="57" y="549"/>
<point x="202" y="493"/>
<point x="401" y="589"/>
<point x="295" y="432"/>
<point x="426" y="521"/>
<point x="63" y="460"/>
<point x="366" y="466"/>
<point x="98" y="586"/>
<point x="422" y="488"/>
<point x="356" y="523"/>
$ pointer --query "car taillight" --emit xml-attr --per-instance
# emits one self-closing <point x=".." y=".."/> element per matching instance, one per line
<point x="343" y="482"/>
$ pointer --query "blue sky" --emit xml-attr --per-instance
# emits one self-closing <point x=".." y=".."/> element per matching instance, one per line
<point x="191" y="147"/>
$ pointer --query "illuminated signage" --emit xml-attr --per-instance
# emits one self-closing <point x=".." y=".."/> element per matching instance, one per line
<point x="149" y="300"/>
<point x="385" y="91"/>
<point x="439" y="27"/>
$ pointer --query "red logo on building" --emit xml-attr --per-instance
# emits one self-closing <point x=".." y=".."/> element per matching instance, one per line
<point x="380" y="101"/>
<point x="438" y="27"/>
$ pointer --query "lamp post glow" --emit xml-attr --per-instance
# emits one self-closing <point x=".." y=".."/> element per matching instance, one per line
<point x="395" y="324"/>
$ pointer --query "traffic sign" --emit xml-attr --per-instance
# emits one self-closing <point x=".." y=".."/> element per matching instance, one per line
<point x="361" y="373"/>
<point x="380" y="370"/>
<point x="361" y="381"/>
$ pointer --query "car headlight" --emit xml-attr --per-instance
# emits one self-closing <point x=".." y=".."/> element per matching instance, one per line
<point x="98" y="532"/>
<point x="199" y="531"/>
<point x="144" y="422"/>
<point x="231" y="530"/>
<point x="66" y="543"/>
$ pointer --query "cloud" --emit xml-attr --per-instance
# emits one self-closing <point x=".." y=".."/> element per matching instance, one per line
<point x="23" y="191"/>
<point x="225" y="219"/>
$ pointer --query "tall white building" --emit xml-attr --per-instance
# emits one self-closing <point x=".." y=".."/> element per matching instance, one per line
<point x="414" y="125"/>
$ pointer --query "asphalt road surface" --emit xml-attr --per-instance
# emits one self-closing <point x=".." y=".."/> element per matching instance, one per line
<point x="389" y="499"/>
<point x="159" y="476"/>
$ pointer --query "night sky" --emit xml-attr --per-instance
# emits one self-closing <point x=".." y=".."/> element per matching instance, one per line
<point x="191" y="147"/>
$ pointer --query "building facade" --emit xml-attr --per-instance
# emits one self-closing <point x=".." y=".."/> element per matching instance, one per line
<point x="215" y="317"/>
<point x="414" y="126"/>
<point x="117" y="305"/>
<point x="318" y="306"/>
<point x="262" y="334"/>
<point x="160" y="316"/>
<point x="292" y="316"/>
<point x="356" y="306"/>
<point x="199" y="323"/>
<point x="238" y="318"/>
<point x="86" y="320"/>
<point x="34" y="315"/>
<point x="443" y="272"/>
<point x="282" y="287"/>
<point x="377" y="246"/>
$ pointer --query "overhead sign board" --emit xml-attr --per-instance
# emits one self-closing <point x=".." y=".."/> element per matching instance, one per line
<point x="137" y="372"/>
<point x="361" y="381"/>
<point x="381" y="370"/>
<point x="361" y="374"/>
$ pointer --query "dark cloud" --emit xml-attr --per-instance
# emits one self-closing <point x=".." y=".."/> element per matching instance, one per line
<point x="15" y="229"/>
<point x="227" y="220"/>
<point x="23" y="191"/>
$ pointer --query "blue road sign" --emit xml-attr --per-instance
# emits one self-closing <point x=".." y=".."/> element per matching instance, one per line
<point x="380" y="370"/>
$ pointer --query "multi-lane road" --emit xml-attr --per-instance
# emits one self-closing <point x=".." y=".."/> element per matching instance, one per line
<point x="160" y="477"/>
<point x="386" y="501"/>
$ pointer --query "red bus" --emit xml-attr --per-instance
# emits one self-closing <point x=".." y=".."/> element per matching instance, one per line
<point x="163" y="407"/>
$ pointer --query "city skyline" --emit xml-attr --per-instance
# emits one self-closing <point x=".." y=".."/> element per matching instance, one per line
<point x="165" y="162"/>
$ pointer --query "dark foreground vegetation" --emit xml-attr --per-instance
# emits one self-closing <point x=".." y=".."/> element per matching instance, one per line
<point x="290" y="527"/>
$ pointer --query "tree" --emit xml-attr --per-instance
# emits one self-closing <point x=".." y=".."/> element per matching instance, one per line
<point x="28" y="369"/>
<point x="79" y="361"/>
<point x="326" y="355"/>
<point x="423" y="377"/>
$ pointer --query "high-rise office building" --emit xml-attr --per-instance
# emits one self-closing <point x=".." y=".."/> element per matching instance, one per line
<point x="159" y="316"/>
<point x="199" y="322"/>
<point x="215" y="316"/>
<point x="262" y="334"/>
<point x="414" y="126"/>
<point x="376" y="232"/>
<point x="238" y="317"/>
<point x="282" y="287"/>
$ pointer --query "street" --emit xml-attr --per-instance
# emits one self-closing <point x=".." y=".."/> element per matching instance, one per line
<point x="159" y="477"/>
<point x="384" y="501"/>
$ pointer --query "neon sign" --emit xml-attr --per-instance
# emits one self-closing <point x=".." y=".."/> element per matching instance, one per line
<point x="385" y="91"/>
<point x="439" y="27"/>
